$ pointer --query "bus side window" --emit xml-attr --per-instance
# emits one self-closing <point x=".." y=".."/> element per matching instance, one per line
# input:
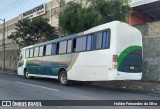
<point x="81" y="44"/>
<point x="54" y="49"/>
<point x="36" y="51"/>
<point x="27" y="53"/>
<point x="74" y="45"/>
<point x="99" y="40"/>
<point x="44" y="50"/>
<point x="62" y="47"/>
<point x="48" y="49"/>
<point x="31" y="52"/>
<point x="41" y="51"/>
<point x="105" y="39"/>
<point x="69" y="46"/>
<point x="90" y="42"/>
<point x="57" y="50"/>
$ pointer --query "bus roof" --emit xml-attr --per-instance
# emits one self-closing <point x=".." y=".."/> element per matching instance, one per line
<point x="94" y="29"/>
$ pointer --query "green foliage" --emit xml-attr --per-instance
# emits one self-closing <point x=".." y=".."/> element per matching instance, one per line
<point x="85" y="14"/>
<point x="112" y="9"/>
<point x="30" y="32"/>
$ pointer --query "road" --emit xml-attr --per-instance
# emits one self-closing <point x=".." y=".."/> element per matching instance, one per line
<point x="13" y="87"/>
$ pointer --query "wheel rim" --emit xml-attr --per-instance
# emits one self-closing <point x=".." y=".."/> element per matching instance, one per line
<point x="27" y="75"/>
<point x="63" y="78"/>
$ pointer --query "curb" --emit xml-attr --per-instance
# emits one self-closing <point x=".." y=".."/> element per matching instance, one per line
<point x="124" y="88"/>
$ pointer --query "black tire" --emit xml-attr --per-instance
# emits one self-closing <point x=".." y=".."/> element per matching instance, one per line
<point x="62" y="78"/>
<point x="26" y="75"/>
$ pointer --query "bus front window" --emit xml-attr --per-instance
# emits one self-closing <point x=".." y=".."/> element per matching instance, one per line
<point x="20" y="57"/>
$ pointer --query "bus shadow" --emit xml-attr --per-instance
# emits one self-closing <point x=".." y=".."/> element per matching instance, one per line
<point x="92" y="86"/>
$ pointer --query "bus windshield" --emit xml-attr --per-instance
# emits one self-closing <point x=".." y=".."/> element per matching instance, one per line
<point x="20" y="55"/>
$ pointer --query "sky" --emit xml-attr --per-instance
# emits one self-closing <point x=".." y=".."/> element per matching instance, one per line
<point x="12" y="8"/>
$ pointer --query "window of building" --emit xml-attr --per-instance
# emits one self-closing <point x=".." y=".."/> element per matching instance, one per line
<point x="99" y="40"/>
<point x="27" y="53"/>
<point x="36" y="50"/>
<point x="90" y="42"/>
<point x="81" y="44"/>
<point x="54" y="49"/>
<point x="62" y="47"/>
<point x="41" y="51"/>
<point x="105" y="40"/>
<point x="31" y="53"/>
<point x="48" y="49"/>
<point x="69" y="46"/>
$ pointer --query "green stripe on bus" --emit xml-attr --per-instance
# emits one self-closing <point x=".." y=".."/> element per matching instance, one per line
<point x="125" y="52"/>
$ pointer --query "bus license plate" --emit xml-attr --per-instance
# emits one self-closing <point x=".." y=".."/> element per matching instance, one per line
<point x="131" y="67"/>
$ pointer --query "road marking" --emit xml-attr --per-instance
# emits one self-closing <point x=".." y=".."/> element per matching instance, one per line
<point x="38" y="86"/>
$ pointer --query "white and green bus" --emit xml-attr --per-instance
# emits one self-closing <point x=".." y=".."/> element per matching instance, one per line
<point x="112" y="51"/>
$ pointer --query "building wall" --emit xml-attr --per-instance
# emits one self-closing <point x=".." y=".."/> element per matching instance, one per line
<point x="150" y="29"/>
<point x="138" y="18"/>
<point x="151" y="50"/>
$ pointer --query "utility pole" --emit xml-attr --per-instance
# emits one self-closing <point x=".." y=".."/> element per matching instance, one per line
<point x="3" y="68"/>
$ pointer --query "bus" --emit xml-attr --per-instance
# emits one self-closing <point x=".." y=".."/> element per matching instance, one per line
<point x="111" y="51"/>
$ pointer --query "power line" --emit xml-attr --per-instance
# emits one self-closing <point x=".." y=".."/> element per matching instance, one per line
<point x="12" y="8"/>
<point x="10" y="5"/>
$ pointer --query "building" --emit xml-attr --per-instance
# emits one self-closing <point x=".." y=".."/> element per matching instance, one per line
<point x="49" y="10"/>
<point x="144" y="11"/>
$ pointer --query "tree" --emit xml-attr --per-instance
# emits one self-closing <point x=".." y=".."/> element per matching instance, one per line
<point x="111" y="9"/>
<point x="30" y="32"/>
<point x="77" y="17"/>
<point x="85" y="14"/>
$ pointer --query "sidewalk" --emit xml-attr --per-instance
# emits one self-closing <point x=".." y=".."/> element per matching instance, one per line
<point x="132" y="85"/>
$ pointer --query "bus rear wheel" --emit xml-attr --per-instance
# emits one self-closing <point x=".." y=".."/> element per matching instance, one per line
<point x="63" y="78"/>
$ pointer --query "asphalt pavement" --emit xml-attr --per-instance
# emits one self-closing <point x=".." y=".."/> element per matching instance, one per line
<point x="14" y="87"/>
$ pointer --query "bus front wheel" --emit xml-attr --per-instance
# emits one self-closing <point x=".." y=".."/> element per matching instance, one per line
<point x="63" y="78"/>
<point x="26" y="75"/>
